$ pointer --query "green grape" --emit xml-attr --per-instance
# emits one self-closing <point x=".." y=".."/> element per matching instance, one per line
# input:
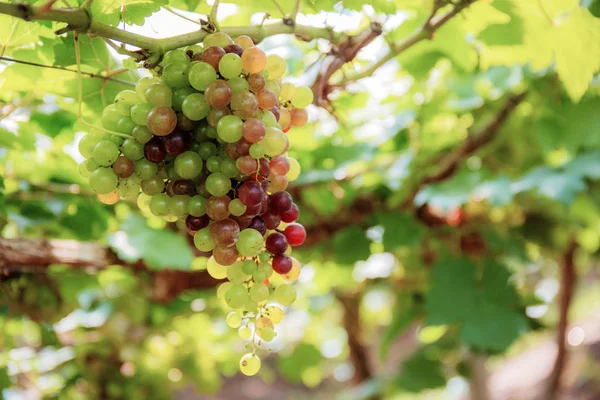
<point x="172" y="174"/>
<point x="230" y="66"/>
<point x="294" y="171"/>
<point x="153" y="186"/>
<point x="236" y="207"/>
<point x="275" y="141"/>
<point x="211" y="132"/>
<point x="132" y="149"/>
<point x="263" y="272"/>
<point x="175" y="56"/>
<point x="249" y="364"/>
<point x="201" y="74"/>
<point x="141" y="134"/>
<point x="257" y="151"/>
<point x="129" y="187"/>
<point x="194" y="48"/>
<point x="269" y="119"/>
<point x="195" y="107"/>
<point x="236" y="296"/>
<point x="229" y="128"/>
<point x="159" y="205"/>
<point x="251" y="306"/>
<point x="287" y="91"/>
<point x="259" y="292"/>
<point x="207" y="150"/>
<point x="175" y="74"/>
<point x="118" y="140"/>
<point x="250" y="243"/>
<point x="218" y="184"/>
<point x="215" y="269"/>
<point x="235" y="273"/>
<point x="275" y="314"/>
<point x="188" y="165"/>
<point x="233" y="320"/>
<point x="124" y="100"/>
<point x="158" y="95"/>
<point x="285" y="294"/>
<point x="264" y="257"/>
<point x="179" y="96"/>
<point x="143" y="202"/>
<point x="139" y="113"/>
<point x="204" y="242"/>
<point x="217" y="39"/>
<point x="145" y="169"/>
<point x="178" y="205"/>
<point x="105" y="153"/>
<point x="267" y="334"/>
<point x="83" y="169"/>
<point x="244" y="333"/>
<point x="213" y="164"/>
<point x="197" y="206"/>
<point x="273" y="86"/>
<point x="302" y="97"/>
<point x="86" y="145"/>
<point x="110" y="119"/>
<point x="222" y="289"/>
<point x="228" y="167"/>
<point x="143" y="84"/>
<point x="238" y="85"/>
<point x="249" y="267"/>
<point x="125" y="125"/>
<point x="275" y="66"/>
<point x="103" y="180"/>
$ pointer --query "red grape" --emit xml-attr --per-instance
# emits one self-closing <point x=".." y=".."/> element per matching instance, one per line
<point x="194" y="224"/>
<point x="225" y="232"/>
<point x="177" y="142"/>
<point x="291" y="215"/>
<point x="250" y="193"/>
<point x="258" y="224"/>
<point x="295" y="234"/>
<point x="276" y="243"/>
<point x="282" y="264"/>
<point x="272" y="220"/>
<point x="123" y="167"/>
<point x="154" y="150"/>
<point x="280" y="202"/>
<point x="234" y="48"/>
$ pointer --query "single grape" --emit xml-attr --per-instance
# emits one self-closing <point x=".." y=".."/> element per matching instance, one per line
<point x="249" y="364"/>
<point x="277" y="183"/>
<point x="218" y="184"/>
<point x="256" y="82"/>
<point x="257" y="151"/>
<point x="259" y="292"/>
<point x="275" y="141"/>
<point x="143" y="84"/>
<point x="258" y="224"/>
<point x="123" y="167"/>
<point x="228" y="168"/>
<point x="110" y="118"/>
<point x="195" y="107"/>
<point x="229" y="128"/>
<point x="129" y="187"/>
<point x="254" y="60"/>
<point x="194" y="224"/>
<point x="250" y="193"/>
<point x="230" y="65"/>
<point x="201" y="74"/>
<point x="215" y="115"/>
<point x="302" y="97"/>
<point x="159" y="204"/>
<point x="218" y="94"/>
<point x="212" y="55"/>
<point x="105" y="153"/>
<point x="275" y="314"/>
<point x="276" y="243"/>
<point x="287" y="91"/>
<point x="143" y="168"/>
<point x="233" y="320"/>
<point x="294" y="172"/>
<point x="263" y="272"/>
<point x="185" y="124"/>
<point x="249" y="267"/>
<point x="226" y="255"/>
<point x="178" y="205"/>
<point x="154" y="150"/>
<point x="188" y="165"/>
<point x="247" y="165"/>
<point x="271" y="219"/>
<point x="197" y="206"/>
<point x="125" y="125"/>
<point x="234" y="49"/>
<point x="253" y="130"/>
<point x="215" y="269"/>
<point x="273" y="86"/>
<point x="217" y="207"/>
<point x="270" y="117"/>
<point x="109" y="198"/>
<point x="236" y="296"/>
<point x="244" y="41"/>
<point x="285" y="294"/>
<point x="285" y="119"/>
<point x="222" y="289"/>
<point x="124" y="100"/>
<point x="244" y="104"/>
<point x="139" y="113"/>
<point x="279" y="165"/>
<point x="217" y="39"/>
<point x="299" y="116"/>
<point x="295" y="234"/>
<point x="159" y="95"/>
<point x="291" y="215"/>
<point x="152" y="186"/>
<point x="281" y="202"/>
<point x="282" y="264"/>
<point x="173" y="56"/>
<point x="204" y="241"/>
<point x="236" y="207"/>
<point x="275" y="66"/>
<point x="250" y="243"/>
<point x="132" y="149"/>
<point x="238" y="85"/>
<point x="161" y="120"/>
<point x="266" y="99"/>
<point x="103" y="180"/>
<point x="175" y="74"/>
<point x="244" y="333"/>
<point x="225" y="232"/>
<point x="141" y="134"/>
<point x="294" y="272"/>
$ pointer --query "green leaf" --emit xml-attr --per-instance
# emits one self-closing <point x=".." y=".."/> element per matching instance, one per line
<point x="400" y="229"/>
<point x="158" y="248"/>
<point x="303" y="357"/>
<point x="133" y="12"/>
<point x="351" y="245"/>
<point x="421" y="372"/>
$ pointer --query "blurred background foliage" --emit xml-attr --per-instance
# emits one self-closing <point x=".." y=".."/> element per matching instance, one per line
<point x="409" y="283"/>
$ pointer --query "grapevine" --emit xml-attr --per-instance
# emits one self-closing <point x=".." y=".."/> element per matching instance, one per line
<point x="205" y="141"/>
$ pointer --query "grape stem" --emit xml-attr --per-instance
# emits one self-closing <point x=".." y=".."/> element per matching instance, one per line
<point x="212" y="18"/>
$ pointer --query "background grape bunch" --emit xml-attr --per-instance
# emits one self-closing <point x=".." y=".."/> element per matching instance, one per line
<point x="205" y="141"/>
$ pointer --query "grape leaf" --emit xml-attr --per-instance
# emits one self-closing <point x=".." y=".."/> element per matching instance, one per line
<point x="486" y="308"/>
<point x="400" y="229"/>
<point x="420" y="372"/>
<point x="159" y="248"/>
<point x="351" y="245"/>
<point x="133" y="12"/>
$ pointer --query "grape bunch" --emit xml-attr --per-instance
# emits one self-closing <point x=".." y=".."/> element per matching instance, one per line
<point x="205" y="141"/>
